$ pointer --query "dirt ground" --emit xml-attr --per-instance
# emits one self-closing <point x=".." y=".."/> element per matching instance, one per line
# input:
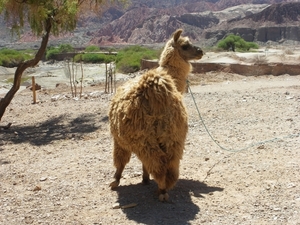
<point x="56" y="158"/>
<point x="241" y="167"/>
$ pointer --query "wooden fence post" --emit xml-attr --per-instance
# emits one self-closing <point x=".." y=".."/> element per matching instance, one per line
<point x="106" y="80"/>
<point x="33" y="90"/>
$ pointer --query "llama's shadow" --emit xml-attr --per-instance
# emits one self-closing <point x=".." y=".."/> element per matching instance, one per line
<point x="179" y="210"/>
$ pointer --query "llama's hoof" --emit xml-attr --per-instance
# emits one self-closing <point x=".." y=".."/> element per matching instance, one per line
<point x="164" y="197"/>
<point x="114" y="184"/>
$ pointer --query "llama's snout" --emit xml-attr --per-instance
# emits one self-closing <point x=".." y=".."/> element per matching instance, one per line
<point x="199" y="50"/>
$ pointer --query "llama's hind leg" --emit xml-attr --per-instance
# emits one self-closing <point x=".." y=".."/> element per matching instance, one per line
<point x="163" y="196"/>
<point x="159" y="175"/>
<point x="146" y="176"/>
<point x="168" y="181"/>
<point x="121" y="158"/>
<point x="162" y="190"/>
<point x="172" y="174"/>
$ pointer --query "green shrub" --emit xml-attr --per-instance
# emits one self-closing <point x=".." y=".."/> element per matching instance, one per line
<point x="4" y="60"/>
<point x="28" y="51"/>
<point x="252" y="45"/>
<point x="235" y="42"/>
<point x="12" y="58"/>
<point x="50" y="53"/>
<point x="128" y="60"/>
<point x="63" y="48"/>
<point x="78" y="58"/>
<point x="129" y="65"/>
<point x="94" y="58"/>
<point x="92" y="48"/>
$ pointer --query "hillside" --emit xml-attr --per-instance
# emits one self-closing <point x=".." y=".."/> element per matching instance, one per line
<point x="206" y="22"/>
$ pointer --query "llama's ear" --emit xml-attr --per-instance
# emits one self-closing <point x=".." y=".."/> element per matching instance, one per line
<point x="177" y="34"/>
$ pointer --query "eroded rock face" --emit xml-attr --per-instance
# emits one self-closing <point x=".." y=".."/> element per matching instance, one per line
<point x="265" y="34"/>
<point x="261" y="34"/>
<point x="197" y="20"/>
<point x="261" y="23"/>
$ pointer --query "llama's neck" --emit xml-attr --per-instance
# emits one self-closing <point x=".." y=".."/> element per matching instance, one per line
<point x="179" y="72"/>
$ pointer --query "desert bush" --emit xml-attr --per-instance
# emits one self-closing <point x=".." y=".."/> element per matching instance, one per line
<point x="12" y="58"/>
<point x="235" y="42"/>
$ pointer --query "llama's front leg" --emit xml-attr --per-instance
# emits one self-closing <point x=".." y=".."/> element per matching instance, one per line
<point x="146" y="177"/>
<point x="121" y="158"/>
<point x="117" y="177"/>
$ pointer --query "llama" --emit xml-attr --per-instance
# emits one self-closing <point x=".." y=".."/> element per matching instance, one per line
<point x="148" y="118"/>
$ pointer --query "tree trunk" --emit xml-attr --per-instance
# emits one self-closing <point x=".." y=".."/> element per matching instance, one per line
<point x="4" y="102"/>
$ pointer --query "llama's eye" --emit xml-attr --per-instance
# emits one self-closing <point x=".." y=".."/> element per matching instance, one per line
<point x="185" y="47"/>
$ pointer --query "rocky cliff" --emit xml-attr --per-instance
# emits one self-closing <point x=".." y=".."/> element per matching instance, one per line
<point x="277" y="22"/>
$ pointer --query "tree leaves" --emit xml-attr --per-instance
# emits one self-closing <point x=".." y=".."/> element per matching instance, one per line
<point x="63" y="13"/>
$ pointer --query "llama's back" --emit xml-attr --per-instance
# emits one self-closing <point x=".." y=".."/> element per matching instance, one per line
<point x="147" y="113"/>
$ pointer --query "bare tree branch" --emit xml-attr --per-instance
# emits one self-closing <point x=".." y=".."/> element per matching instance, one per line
<point x="4" y="102"/>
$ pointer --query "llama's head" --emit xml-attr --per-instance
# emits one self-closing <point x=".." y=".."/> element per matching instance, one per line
<point x="179" y="47"/>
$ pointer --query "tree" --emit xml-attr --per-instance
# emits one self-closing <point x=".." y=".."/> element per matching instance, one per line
<point x="44" y="17"/>
<point x="233" y="42"/>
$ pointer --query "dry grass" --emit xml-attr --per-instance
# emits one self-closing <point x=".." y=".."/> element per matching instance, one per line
<point x="238" y="58"/>
<point x="260" y="59"/>
<point x="288" y="51"/>
<point x="282" y="57"/>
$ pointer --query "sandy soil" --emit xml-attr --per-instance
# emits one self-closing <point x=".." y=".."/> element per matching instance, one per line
<point x="56" y="161"/>
<point x="49" y="75"/>
<point x="281" y="54"/>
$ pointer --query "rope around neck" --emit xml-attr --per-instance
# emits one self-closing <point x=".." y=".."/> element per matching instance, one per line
<point x="235" y="150"/>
